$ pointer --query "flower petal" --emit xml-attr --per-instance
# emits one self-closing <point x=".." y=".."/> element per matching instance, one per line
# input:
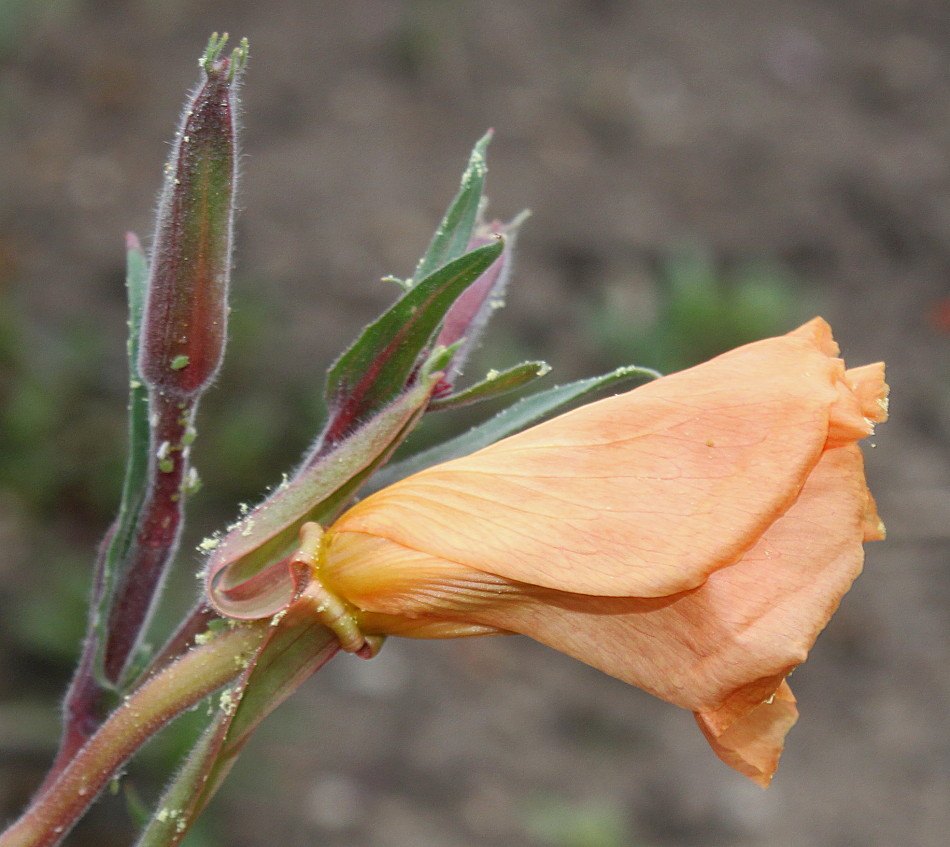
<point x="753" y="743"/>
<point x="818" y="332"/>
<point x="735" y="638"/>
<point x="691" y="537"/>
<point x="867" y="383"/>
<point x="645" y="493"/>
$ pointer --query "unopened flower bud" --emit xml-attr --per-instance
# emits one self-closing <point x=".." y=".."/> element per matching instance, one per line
<point x="185" y="325"/>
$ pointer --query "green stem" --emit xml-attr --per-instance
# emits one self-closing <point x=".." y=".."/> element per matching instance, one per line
<point x="182" y="684"/>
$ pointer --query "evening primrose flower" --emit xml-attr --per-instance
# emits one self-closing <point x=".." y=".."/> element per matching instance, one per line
<point x="691" y="537"/>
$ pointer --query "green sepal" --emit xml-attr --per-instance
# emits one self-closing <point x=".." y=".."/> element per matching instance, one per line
<point x="379" y="365"/>
<point x="513" y="419"/>
<point x="452" y="237"/>
<point x="246" y="575"/>
<point x="495" y="384"/>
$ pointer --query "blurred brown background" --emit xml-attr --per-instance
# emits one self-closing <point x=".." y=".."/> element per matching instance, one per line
<point x="772" y="160"/>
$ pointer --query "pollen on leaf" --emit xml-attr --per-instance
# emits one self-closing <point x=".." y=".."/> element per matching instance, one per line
<point x="227" y="701"/>
<point x="208" y="544"/>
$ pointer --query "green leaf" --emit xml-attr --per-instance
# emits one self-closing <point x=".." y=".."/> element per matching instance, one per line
<point x="495" y="384"/>
<point x="440" y="358"/>
<point x="452" y="237"/>
<point x="136" y="468"/>
<point x="379" y="365"/>
<point x="516" y="417"/>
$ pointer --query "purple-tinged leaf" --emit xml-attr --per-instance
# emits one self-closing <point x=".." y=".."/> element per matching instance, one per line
<point x="85" y="701"/>
<point x="382" y="362"/>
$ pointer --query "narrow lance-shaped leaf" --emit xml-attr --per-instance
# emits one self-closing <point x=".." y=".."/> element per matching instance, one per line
<point x="507" y="422"/>
<point x="137" y="460"/>
<point x="84" y="704"/>
<point x="495" y="384"/>
<point x="380" y="364"/>
<point x="454" y="235"/>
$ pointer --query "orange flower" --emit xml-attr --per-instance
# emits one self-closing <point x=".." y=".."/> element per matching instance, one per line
<point x="691" y="537"/>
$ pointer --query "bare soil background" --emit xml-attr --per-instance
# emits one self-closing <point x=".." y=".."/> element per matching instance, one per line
<point x="812" y="135"/>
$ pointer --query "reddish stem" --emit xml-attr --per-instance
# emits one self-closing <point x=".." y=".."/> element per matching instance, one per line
<point x="181" y="685"/>
<point x="156" y="536"/>
<point x="139" y="579"/>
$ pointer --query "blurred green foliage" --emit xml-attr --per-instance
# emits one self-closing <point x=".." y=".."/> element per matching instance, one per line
<point x="560" y="822"/>
<point x="18" y="17"/>
<point x="696" y="310"/>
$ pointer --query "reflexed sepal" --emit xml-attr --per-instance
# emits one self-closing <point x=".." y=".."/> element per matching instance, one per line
<point x="248" y="571"/>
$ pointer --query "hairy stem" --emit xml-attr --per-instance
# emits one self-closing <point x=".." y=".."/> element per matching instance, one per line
<point x="179" y="686"/>
<point x="157" y="533"/>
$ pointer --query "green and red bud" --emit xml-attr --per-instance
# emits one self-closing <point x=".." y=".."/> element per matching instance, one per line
<point x="185" y="324"/>
<point x="182" y="339"/>
<point x="466" y="320"/>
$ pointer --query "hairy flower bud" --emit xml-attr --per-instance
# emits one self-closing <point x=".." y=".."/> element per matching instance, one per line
<point x="185" y="325"/>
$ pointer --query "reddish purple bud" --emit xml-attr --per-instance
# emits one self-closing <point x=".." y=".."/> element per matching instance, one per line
<point x="467" y="318"/>
<point x="185" y="325"/>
